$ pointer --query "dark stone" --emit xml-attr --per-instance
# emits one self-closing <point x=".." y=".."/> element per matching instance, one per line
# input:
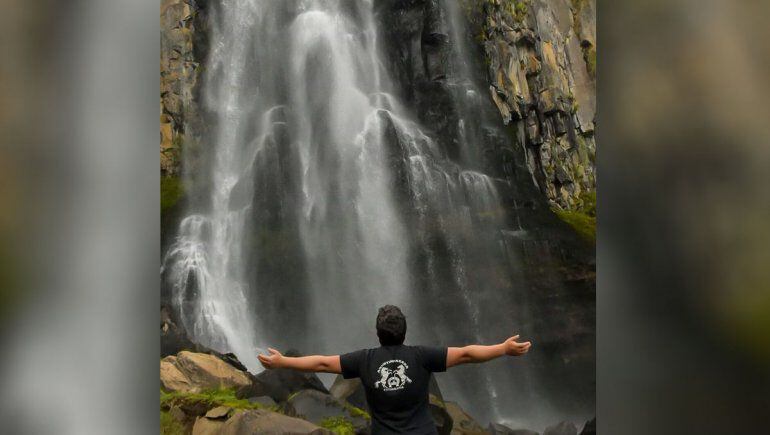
<point x="279" y="384"/>
<point x="315" y="406"/>
<point x="231" y="359"/>
<point x="441" y="418"/>
<point x="589" y="428"/>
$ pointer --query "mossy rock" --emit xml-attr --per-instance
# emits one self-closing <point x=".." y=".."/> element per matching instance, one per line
<point x="583" y="218"/>
<point x="200" y="403"/>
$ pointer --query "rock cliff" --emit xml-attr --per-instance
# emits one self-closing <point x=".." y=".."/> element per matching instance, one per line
<point x="179" y="77"/>
<point x="540" y="59"/>
<point x="541" y="66"/>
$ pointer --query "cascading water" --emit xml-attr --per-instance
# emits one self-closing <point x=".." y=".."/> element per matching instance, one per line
<point x="326" y="199"/>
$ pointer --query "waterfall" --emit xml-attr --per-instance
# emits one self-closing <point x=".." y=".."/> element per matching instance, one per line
<point x="322" y="198"/>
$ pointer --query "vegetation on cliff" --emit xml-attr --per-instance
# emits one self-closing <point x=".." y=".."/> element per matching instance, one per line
<point x="171" y="191"/>
<point x="583" y="218"/>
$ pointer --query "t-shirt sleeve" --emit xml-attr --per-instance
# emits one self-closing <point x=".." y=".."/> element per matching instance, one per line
<point x="433" y="358"/>
<point x="351" y="363"/>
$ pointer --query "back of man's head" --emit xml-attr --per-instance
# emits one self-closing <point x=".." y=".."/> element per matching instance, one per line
<point x="391" y="326"/>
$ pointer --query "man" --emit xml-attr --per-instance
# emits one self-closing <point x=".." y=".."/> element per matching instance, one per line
<point x="395" y="376"/>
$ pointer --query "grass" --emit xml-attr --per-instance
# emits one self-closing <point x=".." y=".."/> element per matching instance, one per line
<point x="583" y="219"/>
<point x="169" y="425"/>
<point x="171" y="191"/>
<point x="338" y="425"/>
<point x="212" y="398"/>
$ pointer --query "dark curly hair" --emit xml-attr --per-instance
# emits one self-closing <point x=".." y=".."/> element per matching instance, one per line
<point x="391" y="325"/>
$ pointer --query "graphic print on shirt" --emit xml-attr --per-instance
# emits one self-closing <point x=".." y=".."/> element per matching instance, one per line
<point x="392" y="375"/>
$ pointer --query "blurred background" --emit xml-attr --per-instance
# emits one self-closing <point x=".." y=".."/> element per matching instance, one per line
<point x="683" y="209"/>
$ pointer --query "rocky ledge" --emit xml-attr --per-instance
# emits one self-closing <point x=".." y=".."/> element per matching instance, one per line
<point x="210" y="394"/>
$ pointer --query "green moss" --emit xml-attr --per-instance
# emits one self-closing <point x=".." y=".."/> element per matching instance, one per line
<point x="582" y="219"/>
<point x="171" y="191"/>
<point x="212" y="398"/>
<point x="355" y="411"/>
<point x="169" y="425"/>
<point x="589" y="54"/>
<point x="338" y="425"/>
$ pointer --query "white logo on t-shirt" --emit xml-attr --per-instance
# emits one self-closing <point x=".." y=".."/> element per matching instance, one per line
<point x="392" y="375"/>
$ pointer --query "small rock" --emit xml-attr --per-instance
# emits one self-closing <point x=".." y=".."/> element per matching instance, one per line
<point x="218" y="412"/>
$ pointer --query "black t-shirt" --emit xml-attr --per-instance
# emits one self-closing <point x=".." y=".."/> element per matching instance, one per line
<point x="396" y="380"/>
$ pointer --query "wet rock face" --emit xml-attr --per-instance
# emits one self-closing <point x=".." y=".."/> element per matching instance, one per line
<point x="541" y="64"/>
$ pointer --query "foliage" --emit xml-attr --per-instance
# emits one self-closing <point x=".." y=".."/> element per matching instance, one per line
<point x="171" y="191"/>
<point x="212" y="398"/>
<point x="518" y="10"/>
<point x="582" y="219"/>
<point x="169" y="425"/>
<point x="338" y="425"/>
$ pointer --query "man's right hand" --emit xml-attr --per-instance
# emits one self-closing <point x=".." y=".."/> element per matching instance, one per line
<point x="514" y="348"/>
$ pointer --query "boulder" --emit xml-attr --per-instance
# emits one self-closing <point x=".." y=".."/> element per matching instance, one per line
<point x="462" y="423"/>
<point x="171" y="378"/>
<point x="349" y="390"/>
<point x="441" y="417"/>
<point x="563" y="428"/>
<point x="499" y="429"/>
<point x="210" y="372"/>
<point x="589" y="428"/>
<point x="260" y="421"/>
<point x="315" y="406"/>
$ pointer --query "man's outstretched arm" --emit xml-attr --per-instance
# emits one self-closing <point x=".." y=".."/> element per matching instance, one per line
<point x="312" y="363"/>
<point x="477" y="353"/>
